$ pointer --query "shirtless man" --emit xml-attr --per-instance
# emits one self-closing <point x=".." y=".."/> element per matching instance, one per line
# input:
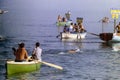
<point x="21" y="53"/>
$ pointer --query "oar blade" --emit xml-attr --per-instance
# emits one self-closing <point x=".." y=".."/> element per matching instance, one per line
<point x="52" y="65"/>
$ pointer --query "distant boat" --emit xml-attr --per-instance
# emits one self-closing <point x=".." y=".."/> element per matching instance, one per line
<point x="2" y="38"/>
<point x="74" y="35"/>
<point x="109" y="37"/>
<point x="63" y="23"/>
<point x="106" y="36"/>
<point x="112" y="37"/>
<point x="3" y="11"/>
<point x="22" y="67"/>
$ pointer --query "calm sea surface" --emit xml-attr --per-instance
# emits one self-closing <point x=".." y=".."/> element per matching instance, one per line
<point x="29" y="21"/>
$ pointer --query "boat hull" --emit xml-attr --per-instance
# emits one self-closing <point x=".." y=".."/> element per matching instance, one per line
<point x="73" y="35"/>
<point x="112" y="37"/>
<point x="106" y="36"/>
<point x="116" y="37"/>
<point x="22" y="67"/>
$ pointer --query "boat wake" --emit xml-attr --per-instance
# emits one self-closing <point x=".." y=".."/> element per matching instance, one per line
<point x="62" y="53"/>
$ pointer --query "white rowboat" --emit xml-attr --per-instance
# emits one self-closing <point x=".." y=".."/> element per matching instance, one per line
<point x="74" y="35"/>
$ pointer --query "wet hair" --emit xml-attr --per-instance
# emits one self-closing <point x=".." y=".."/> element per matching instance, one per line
<point x="21" y="45"/>
<point x="37" y="44"/>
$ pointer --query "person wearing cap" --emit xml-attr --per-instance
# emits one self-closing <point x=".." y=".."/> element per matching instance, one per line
<point x="37" y="52"/>
<point x="21" y="53"/>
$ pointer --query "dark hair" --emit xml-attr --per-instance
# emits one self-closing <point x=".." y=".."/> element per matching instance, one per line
<point x="21" y="45"/>
<point x="37" y="44"/>
<point x="71" y="23"/>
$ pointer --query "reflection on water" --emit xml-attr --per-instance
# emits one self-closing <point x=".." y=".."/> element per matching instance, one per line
<point x="113" y="46"/>
<point x="106" y="45"/>
<point x="25" y="76"/>
<point x="72" y="44"/>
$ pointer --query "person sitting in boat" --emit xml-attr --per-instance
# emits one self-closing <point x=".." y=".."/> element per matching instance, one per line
<point x="64" y="19"/>
<point x="59" y="18"/>
<point x="37" y="52"/>
<point x="21" y="53"/>
<point x="81" y="28"/>
<point x="65" y="29"/>
<point x="75" y="27"/>
<point x="105" y="20"/>
<point x="118" y="28"/>
<point x="71" y="28"/>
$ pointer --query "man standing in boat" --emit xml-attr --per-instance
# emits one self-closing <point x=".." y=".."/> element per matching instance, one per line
<point x="68" y="14"/>
<point x="118" y="28"/>
<point x="59" y="18"/>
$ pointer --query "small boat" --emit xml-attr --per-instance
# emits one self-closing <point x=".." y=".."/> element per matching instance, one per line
<point x="73" y="35"/>
<point x="106" y="36"/>
<point x="63" y="23"/>
<point x="112" y="37"/>
<point x="13" y="67"/>
<point x="2" y="38"/>
<point x="3" y="11"/>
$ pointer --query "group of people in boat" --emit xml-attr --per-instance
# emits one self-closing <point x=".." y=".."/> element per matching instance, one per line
<point x="105" y="20"/>
<point x="61" y="19"/>
<point x="64" y="19"/>
<point x="74" y="27"/>
<point x="21" y="53"/>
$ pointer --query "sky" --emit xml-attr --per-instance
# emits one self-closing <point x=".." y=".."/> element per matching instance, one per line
<point x="76" y="4"/>
<point x="63" y="5"/>
<point x="60" y="6"/>
<point x="67" y="4"/>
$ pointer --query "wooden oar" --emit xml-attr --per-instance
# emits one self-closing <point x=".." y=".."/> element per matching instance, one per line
<point x="48" y="64"/>
<point x="93" y="34"/>
<point x="52" y="65"/>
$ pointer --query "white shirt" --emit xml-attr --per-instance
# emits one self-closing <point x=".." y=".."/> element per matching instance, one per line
<point x="71" y="28"/>
<point x="38" y="52"/>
